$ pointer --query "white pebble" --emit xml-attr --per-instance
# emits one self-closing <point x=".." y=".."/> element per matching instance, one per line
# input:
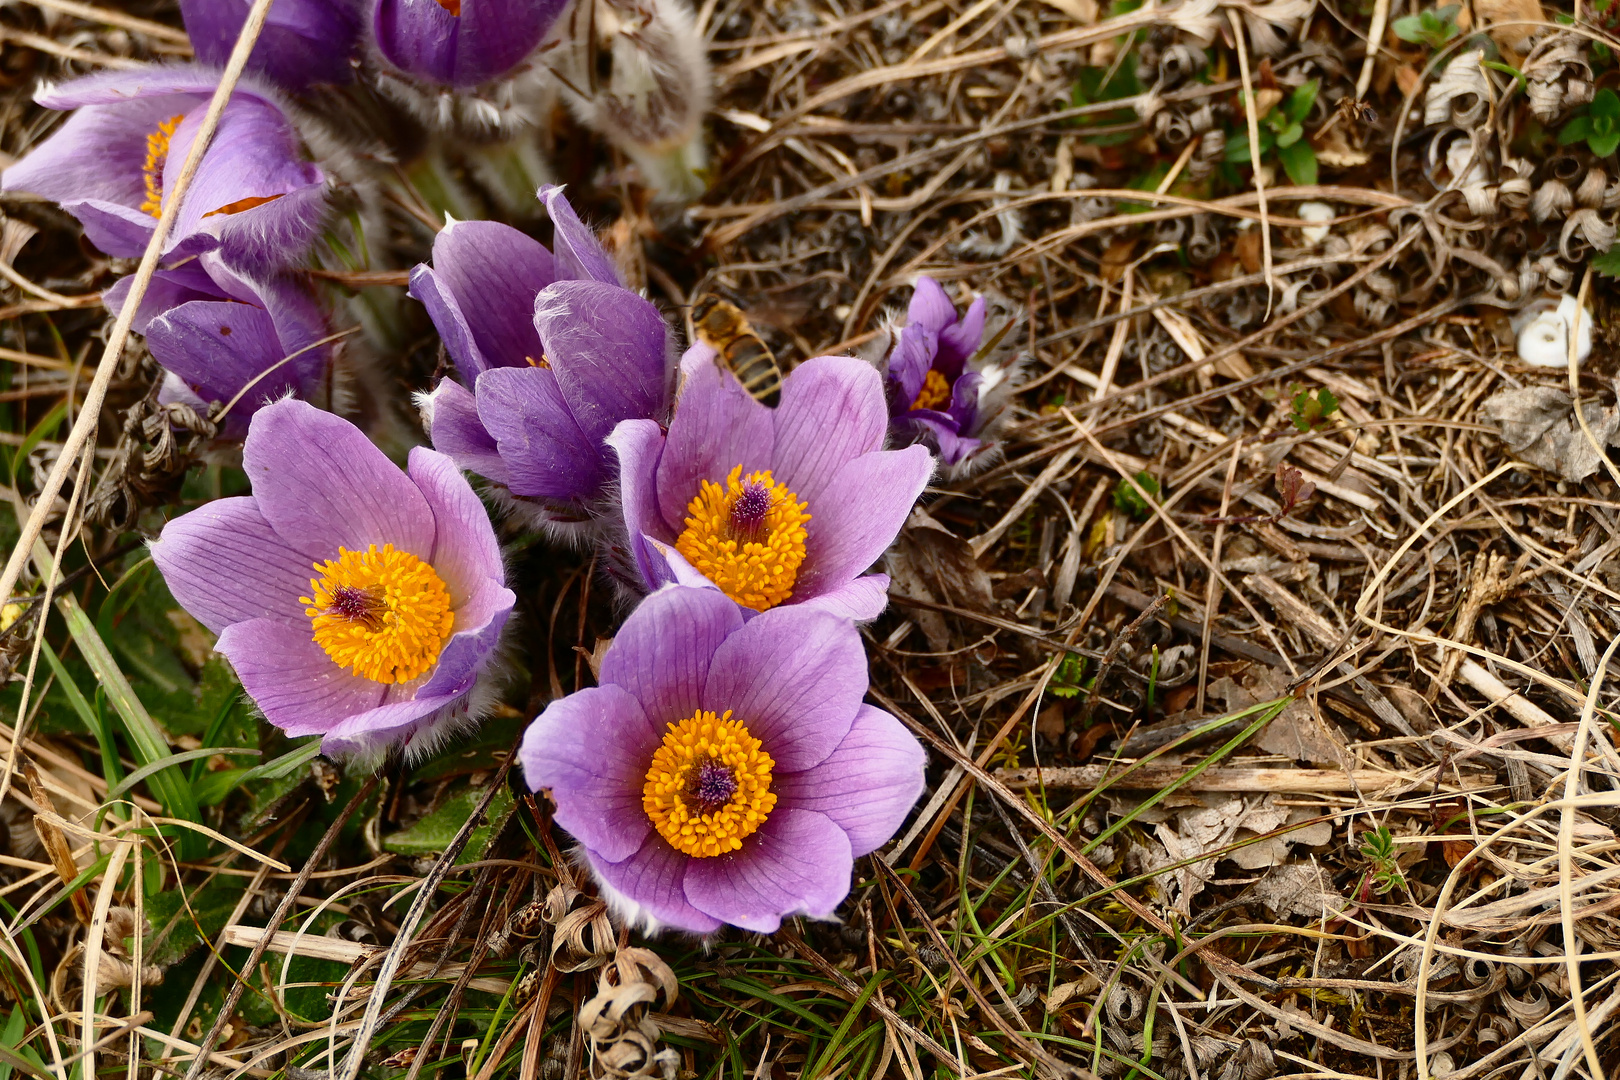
<point x="1544" y="340"/>
<point x="1319" y="212"/>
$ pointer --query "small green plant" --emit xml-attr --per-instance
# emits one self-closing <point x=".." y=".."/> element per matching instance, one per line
<point x="1598" y="126"/>
<point x="1379" y="849"/>
<point x="1068" y="680"/>
<point x="1127" y="500"/>
<point x="1432" y="28"/>
<point x="1309" y="412"/>
<point x="1282" y="131"/>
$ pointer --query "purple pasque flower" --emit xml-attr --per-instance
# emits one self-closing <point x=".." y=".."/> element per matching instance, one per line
<point x="355" y="601"/>
<point x="223" y="334"/>
<point x="771" y="506"/>
<point x="304" y="42"/>
<point x="725" y="770"/>
<point x="460" y="43"/>
<point x="254" y="197"/>
<point x="552" y="352"/>
<point x="934" y="397"/>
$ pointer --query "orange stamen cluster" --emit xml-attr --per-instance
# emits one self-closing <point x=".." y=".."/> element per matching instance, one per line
<point x="935" y="393"/>
<point x="383" y="614"/>
<point x="748" y="537"/>
<point x="157" y="156"/>
<point x="709" y="785"/>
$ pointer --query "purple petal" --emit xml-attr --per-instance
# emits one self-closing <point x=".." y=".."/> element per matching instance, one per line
<point x="794" y="677"/>
<point x="547" y="456"/>
<point x="292" y="680"/>
<point x="470" y="650"/>
<point x="225" y="564"/>
<point x="930" y="310"/>
<point x="959" y="342"/>
<point x="404" y="723"/>
<point x="488" y="39"/>
<point x="592" y="749"/>
<point x="609" y="349"/>
<point x="867" y="786"/>
<point x="303" y="42"/>
<point x="456" y="432"/>
<point x="167" y="289"/>
<point x="639" y="445"/>
<point x="859" y="515"/>
<point x="798" y="863"/>
<point x="717" y="426"/>
<point x="322" y="485"/>
<point x="418" y="37"/>
<point x="121" y="231"/>
<point x="579" y="253"/>
<point x="664" y="649"/>
<point x="480" y="294"/>
<point x="98" y="153"/>
<point x="154" y="81"/>
<point x="965" y="400"/>
<point x="649" y="884"/>
<point x="860" y="600"/>
<point x="832" y="412"/>
<point x="465" y="552"/>
<point x="219" y="348"/>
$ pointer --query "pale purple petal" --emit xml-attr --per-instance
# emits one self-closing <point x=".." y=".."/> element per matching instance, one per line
<point x="958" y="342"/>
<point x="547" y="456"/>
<point x="322" y="485"/>
<point x="649" y="884"/>
<point x="121" y="231"/>
<point x="220" y="348"/>
<point x="717" y="426"/>
<point x="225" y="564"/>
<point x="465" y="553"/>
<point x="579" y="253"/>
<point x="116" y="87"/>
<point x="609" y="350"/>
<point x="858" y="516"/>
<point x="663" y="651"/>
<point x="292" y="680"/>
<point x="303" y="42"/>
<point x="930" y="310"/>
<point x="456" y="432"/>
<point x="97" y="153"/>
<point x="638" y="445"/>
<point x="798" y="863"/>
<point x="794" y="677"/>
<point x="861" y="600"/>
<point x="399" y="723"/>
<point x="479" y="626"/>
<point x="592" y="749"/>
<point x="832" y="412"/>
<point x="480" y="294"/>
<point x="867" y="786"/>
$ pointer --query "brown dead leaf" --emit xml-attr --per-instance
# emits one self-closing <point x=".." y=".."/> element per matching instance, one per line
<point x="1538" y="424"/>
<point x="1510" y="22"/>
<point x="1247" y="249"/>
<point x="1333" y="149"/>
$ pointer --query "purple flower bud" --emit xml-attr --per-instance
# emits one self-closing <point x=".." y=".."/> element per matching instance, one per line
<point x="460" y="43"/>
<point x="355" y="601"/>
<point x="552" y="353"/>
<point x="936" y="397"/>
<point x="724" y="770"/>
<point x="219" y="332"/>
<point x="784" y="506"/>
<point x="254" y="198"/>
<point x="304" y="42"/>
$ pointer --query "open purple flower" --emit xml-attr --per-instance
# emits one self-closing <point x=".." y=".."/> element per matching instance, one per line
<point x="254" y="197"/>
<point x="461" y="43"/>
<point x="725" y="770"/>
<point x="552" y="353"/>
<point x="934" y="396"/>
<point x="219" y="332"/>
<point x="355" y="601"/>
<point x="304" y="42"/>
<point x="771" y="506"/>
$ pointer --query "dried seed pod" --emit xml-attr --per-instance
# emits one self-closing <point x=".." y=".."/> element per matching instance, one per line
<point x="1529" y="1008"/>
<point x="1551" y="201"/>
<point x="1180" y="61"/>
<point x="1172" y="128"/>
<point x="582" y="936"/>
<point x="1204" y="244"/>
<point x="1590" y="193"/>
<point x="1585" y="228"/>
<point x="1124" y="1004"/>
<point x="1461" y="93"/>
<point x="1514" y="195"/>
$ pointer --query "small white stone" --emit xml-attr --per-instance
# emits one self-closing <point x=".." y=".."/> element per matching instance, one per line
<point x="1544" y="340"/>
<point x="1319" y="212"/>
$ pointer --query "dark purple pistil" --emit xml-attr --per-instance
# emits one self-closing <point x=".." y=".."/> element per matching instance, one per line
<point x="748" y="512"/>
<point x="709" y="786"/>
<point x="356" y="605"/>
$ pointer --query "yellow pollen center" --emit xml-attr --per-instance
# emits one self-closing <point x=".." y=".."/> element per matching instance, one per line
<point x="384" y="614"/>
<point x="935" y="393"/>
<point x="709" y="785"/>
<point x="752" y="551"/>
<point x="157" y="155"/>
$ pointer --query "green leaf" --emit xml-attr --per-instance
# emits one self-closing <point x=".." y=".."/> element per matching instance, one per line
<point x="1605" y="144"/>
<point x="1509" y="69"/>
<point x="1301" y="100"/>
<point x="433" y="833"/>
<point x="45" y="427"/>
<point x="1575" y="131"/>
<point x="1237" y="149"/>
<point x="1127" y="500"/>
<point x="1606" y="104"/>
<point x="1299" y="162"/>
<point x="1409" y="28"/>
<point x="1289" y="136"/>
<point x="1608" y="263"/>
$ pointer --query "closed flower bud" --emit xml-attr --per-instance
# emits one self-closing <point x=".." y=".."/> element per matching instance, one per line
<point x="304" y="42"/>
<point x="460" y="43"/>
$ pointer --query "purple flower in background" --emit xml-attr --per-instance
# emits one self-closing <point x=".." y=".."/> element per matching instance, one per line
<point x="934" y="396"/>
<point x="218" y="331"/>
<point x="253" y="198"/>
<point x="461" y="43"/>
<point x="355" y="601"/>
<point x="552" y="353"/>
<point x="725" y="770"/>
<point x="771" y="506"/>
<point x="304" y="42"/>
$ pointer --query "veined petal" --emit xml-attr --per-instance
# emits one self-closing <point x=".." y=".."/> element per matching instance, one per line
<point x="456" y="432"/>
<point x="717" y="426"/>
<point x="225" y="564"/>
<point x="867" y="786"/>
<point x="648" y="887"/>
<point x="547" y="456"/>
<point x="609" y="350"/>
<point x="480" y="294"/>
<point x="859" y="514"/>
<point x="798" y="863"/>
<point x="832" y="412"/>
<point x="663" y="652"/>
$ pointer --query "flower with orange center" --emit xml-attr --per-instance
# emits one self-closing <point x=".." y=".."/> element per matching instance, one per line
<point x="748" y="537"/>
<point x="383" y="614"/>
<point x="157" y="156"/>
<point x="709" y="785"/>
